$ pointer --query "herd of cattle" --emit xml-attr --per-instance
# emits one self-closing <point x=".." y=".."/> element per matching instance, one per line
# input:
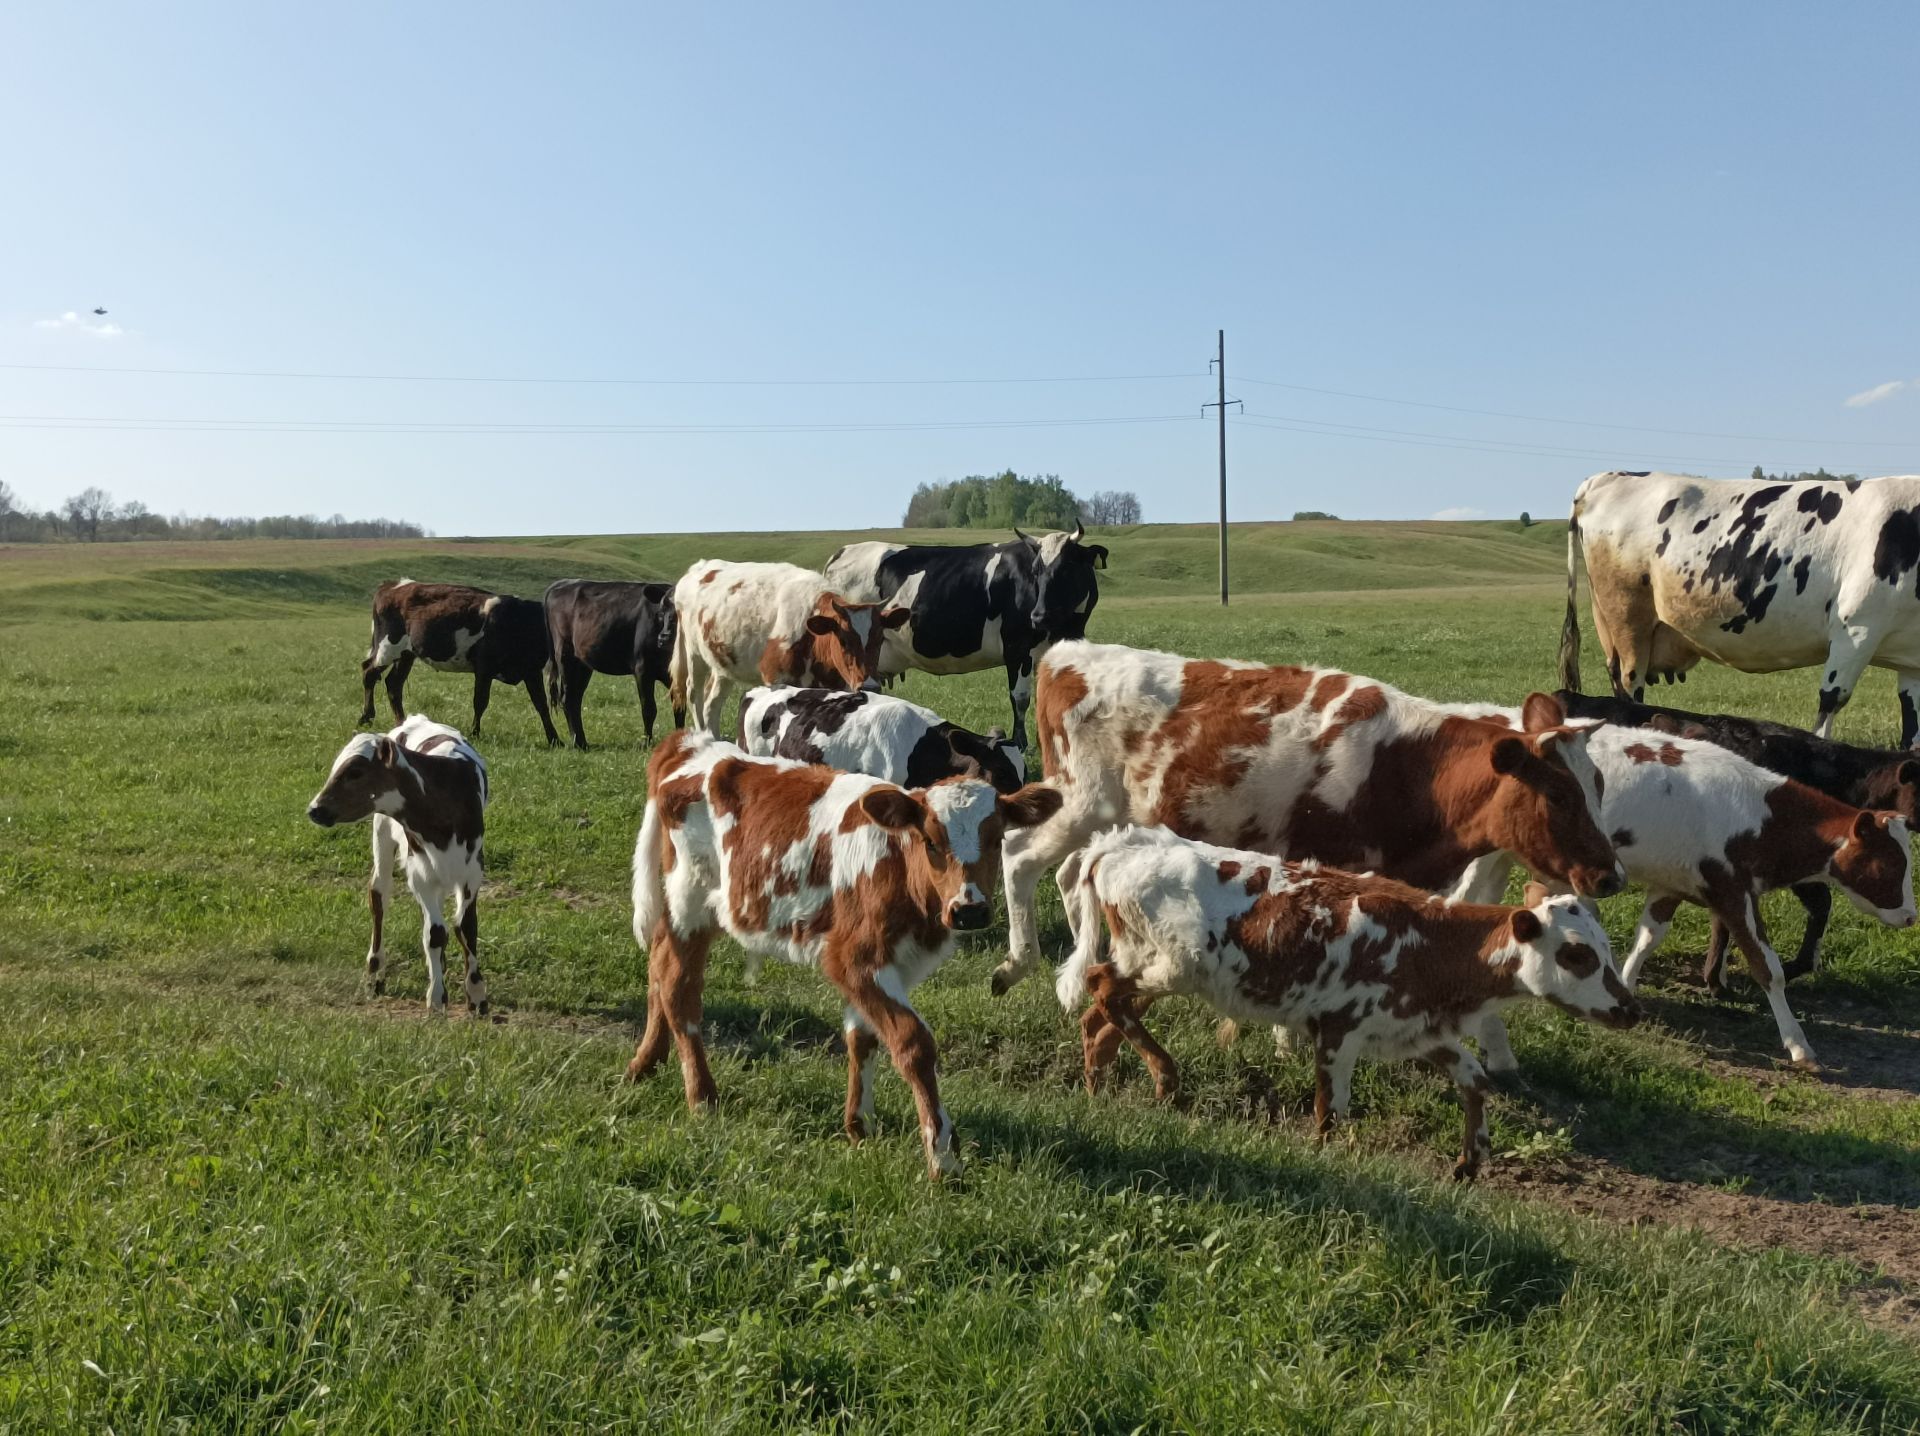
<point x="1299" y="847"/>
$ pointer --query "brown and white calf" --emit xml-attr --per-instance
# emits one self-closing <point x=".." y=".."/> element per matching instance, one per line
<point x="1696" y="823"/>
<point x="494" y="636"/>
<point x="768" y="623"/>
<point x="1363" y="965"/>
<point x="867" y="881"/>
<point x="425" y="788"/>
<point x="1298" y="763"/>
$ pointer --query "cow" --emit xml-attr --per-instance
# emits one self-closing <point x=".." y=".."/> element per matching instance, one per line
<point x="1299" y="763"/>
<point x="1758" y="575"/>
<point x="980" y="605"/>
<point x="1693" y="822"/>
<point x="608" y="627"/>
<point x="494" y="636"/>
<point x="1881" y="778"/>
<point x="767" y="623"/>
<point x="425" y="788"/>
<point x="876" y="734"/>
<point x="863" y="879"/>
<point x="1363" y="965"/>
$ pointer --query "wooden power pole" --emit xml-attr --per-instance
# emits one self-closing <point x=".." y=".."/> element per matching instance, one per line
<point x="1220" y="366"/>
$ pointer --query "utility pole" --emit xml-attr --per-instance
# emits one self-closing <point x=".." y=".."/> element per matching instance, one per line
<point x="1219" y="364"/>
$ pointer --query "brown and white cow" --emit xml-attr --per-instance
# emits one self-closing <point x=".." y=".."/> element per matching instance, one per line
<point x="425" y="788"/>
<point x="865" y="880"/>
<point x="1300" y="763"/>
<point x="1363" y="965"/>
<point x="494" y="636"/>
<point x="768" y="623"/>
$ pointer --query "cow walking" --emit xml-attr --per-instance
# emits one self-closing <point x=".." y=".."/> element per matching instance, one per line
<point x="873" y="733"/>
<point x="867" y="881"/>
<point x="608" y="627"/>
<point x="979" y="605"/>
<point x="425" y="788"/>
<point x="494" y="636"/>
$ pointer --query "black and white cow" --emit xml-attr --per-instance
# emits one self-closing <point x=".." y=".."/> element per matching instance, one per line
<point x="979" y="605"/>
<point x="873" y="733"/>
<point x="1759" y="576"/>
<point x="494" y="636"/>
<point x="608" y="627"/>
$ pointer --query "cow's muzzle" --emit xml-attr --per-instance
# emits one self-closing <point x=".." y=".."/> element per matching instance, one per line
<point x="322" y="815"/>
<point x="871" y="685"/>
<point x="1621" y="1015"/>
<point x="1597" y="882"/>
<point x="968" y="916"/>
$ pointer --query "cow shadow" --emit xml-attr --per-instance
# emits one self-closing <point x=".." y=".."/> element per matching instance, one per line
<point x="1739" y="1031"/>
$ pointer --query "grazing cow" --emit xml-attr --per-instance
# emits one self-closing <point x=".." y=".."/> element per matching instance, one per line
<point x="873" y="733"/>
<point x="425" y="788"/>
<point x="494" y="636"/>
<point x="1882" y="778"/>
<point x="1301" y="763"/>
<point x="767" y="623"/>
<point x="611" y="627"/>
<point x="1696" y="823"/>
<point x="978" y="606"/>
<point x="1364" y="965"/>
<point x="1759" y="576"/>
<point x="865" y="880"/>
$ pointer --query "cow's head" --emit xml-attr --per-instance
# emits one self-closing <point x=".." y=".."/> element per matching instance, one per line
<point x="952" y="848"/>
<point x="1065" y="589"/>
<point x="1539" y="808"/>
<point x="838" y="648"/>
<point x="1564" y="957"/>
<point x="1873" y="866"/>
<point x="989" y="757"/>
<point x="367" y="778"/>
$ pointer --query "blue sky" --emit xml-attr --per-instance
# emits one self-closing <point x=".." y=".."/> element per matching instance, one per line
<point x="1699" y="217"/>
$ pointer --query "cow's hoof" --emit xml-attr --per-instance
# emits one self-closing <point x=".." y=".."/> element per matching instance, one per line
<point x="1465" y="1169"/>
<point x="1807" y="1062"/>
<point x="1002" y="981"/>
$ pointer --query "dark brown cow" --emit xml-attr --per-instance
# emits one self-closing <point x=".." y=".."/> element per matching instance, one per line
<point x="608" y="627"/>
<point x="494" y="636"/>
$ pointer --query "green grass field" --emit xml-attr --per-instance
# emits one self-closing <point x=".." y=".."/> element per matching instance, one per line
<point x="237" y="1194"/>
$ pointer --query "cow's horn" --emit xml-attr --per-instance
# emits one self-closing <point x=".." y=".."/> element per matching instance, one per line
<point x="1079" y="531"/>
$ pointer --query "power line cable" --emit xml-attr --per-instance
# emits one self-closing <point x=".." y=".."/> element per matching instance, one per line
<point x="1263" y="422"/>
<point x="519" y="379"/>
<point x="111" y="424"/>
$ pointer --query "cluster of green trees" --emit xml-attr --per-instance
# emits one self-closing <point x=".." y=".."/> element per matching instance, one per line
<point x="1818" y="476"/>
<point x="1007" y="500"/>
<point x="92" y="516"/>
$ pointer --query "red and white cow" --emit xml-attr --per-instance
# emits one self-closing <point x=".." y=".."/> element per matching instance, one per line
<point x="1364" y="965"/>
<point x="863" y="879"/>
<point x="1696" y="823"/>
<point x="768" y="623"/>
<point x="1301" y="763"/>
<point x="425" y="788"/>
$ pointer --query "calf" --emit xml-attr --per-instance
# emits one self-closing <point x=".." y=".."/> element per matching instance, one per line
<point x="425" y="789"/>
<point x="863" y="879"/>
<point x="1883" y="778"/>
<point x="1364" y="965"/>
<point x="493" y="636"/>
<point x="865" y="732"/>
<point x="1694" y="822"/>
<point x="611" y="627"/>
<point x="771" y="623"/>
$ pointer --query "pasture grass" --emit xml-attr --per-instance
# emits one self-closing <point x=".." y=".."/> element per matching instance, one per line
<point x="236" y="1194"/>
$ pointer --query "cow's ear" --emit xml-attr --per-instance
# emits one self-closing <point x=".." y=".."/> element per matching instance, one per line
<point x="385" y="750"/>
<point x="996" y="735"/>
<point x="1524" y="926"/>
<point x="1031" y="806"/>
<point x="1864" y="823"/>
<point x="819" y="625"/>
<point x="1508" y="754"/>
<point x="1535" y="894"/>
<point x="1907" y="774"/>
<point x="895" y="617"/>
<point x="1542" y="711"/>
<point x="893" y="808"/>
<point x="1099" y="552"/>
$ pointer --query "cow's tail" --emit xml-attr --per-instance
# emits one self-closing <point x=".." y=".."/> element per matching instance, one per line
<point x="677" y="667"/>
<point x="1570" y="627"/>
<point x="649" y="880"/>
<point x="1076" y="879"/>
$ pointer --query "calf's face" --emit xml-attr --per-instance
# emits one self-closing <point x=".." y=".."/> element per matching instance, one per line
<point x="846" y="642"/>
<point x="1566" y="959"/>
<point x="1874" y="868"/>
<point x="1067" y="589"/>
<point x="954" y="831"/>
<point x="1542" y="814"/>
<point x="364" y="781"/>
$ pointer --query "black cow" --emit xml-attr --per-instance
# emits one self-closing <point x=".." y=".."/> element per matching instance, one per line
<point x="872" y="733"/>
<point x="611" y="627"/>
<point x="1886" y="778"/>
<point x="494" y="636"/>
<point x="976" y="606"/>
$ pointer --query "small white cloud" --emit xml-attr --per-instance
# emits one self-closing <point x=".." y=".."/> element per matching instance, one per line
<point x="1877" y="393"/>
<point x="75" y="322"/>
<point x="1447" y="516"/>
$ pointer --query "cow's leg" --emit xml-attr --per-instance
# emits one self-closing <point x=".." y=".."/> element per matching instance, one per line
<point x="539" y="696"/>
<point x="434" y="939"/>
<point x="466" y="922"/>
<point x="1099" y="1044"/>
<point x="574" y="677"/>
<point x="397" y="688"/>
<point x="1847" y="655"/>
<point x="1026" y="853"/>
<point x="1484" y="880"/>
<point x="1019" y="693"/>
<point x="1495" y="1049"/>
<point x="1713" y="967"/>
<point x="863" y="1051"/>
<point x="1655" y="918"/>
<point x="657" y="1037"/>
<point x="676" y="982"/>
<point x="482" y="695"/>
<point x="1332" y="1080"/>
<point x="1475" y="1144"/>
<point x="1817" y="899"/>
<point x="713" y="699"/>
<point x="386" y="849"/>
<point x="1743" y="922"/>
<point x="370" y="672"/>
<point x="1122" y="1006"/>
<point x="649" y="709"/>
<point x="910" y="1043"/>
<point x="1909" y="709"/>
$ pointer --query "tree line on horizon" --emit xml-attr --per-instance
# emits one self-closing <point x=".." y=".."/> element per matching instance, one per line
<point x="1009" y="500"/>
<point x="92" y="516"/>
